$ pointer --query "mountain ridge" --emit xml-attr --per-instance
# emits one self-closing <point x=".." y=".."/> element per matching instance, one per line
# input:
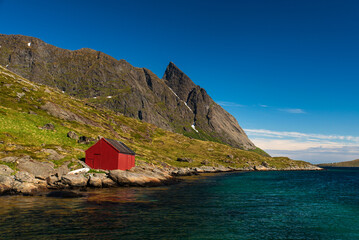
<point x="136" y="92"/>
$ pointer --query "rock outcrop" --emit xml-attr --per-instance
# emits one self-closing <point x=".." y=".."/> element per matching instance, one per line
<point x="173" y="103"/>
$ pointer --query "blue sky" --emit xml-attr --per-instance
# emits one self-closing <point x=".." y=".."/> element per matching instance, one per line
<point x="287" y="70"/>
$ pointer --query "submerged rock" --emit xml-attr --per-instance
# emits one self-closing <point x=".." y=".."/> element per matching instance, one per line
<point x="64" y="194"/>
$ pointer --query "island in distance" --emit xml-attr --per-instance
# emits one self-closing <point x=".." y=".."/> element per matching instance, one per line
<point x="353" y="163"/>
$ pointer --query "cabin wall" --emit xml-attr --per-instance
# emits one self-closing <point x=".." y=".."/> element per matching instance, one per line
<point x="91" y="153"/>
<point x="103" y="156"/>
<point x="108" y="157"/>
<point x="125" y="161"/>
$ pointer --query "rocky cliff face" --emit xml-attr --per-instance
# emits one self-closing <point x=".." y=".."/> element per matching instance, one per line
<point x="209" y="117"/>
<point x="174" y="103"/>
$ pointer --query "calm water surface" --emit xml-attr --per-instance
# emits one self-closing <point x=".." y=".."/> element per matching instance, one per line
<point x="254" y="205"/>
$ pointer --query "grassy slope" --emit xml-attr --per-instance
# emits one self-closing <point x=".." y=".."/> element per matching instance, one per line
<point x="20" y="133"/>
<point x="354" y="163"/>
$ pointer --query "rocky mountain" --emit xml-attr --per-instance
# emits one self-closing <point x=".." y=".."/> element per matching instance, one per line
<point x="173" y="103"/>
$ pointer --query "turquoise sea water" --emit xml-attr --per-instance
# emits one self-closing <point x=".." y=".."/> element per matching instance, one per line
<point x="253" y="205"/>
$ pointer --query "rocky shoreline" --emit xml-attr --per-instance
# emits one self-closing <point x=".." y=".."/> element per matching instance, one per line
<point x="34" y="180"/>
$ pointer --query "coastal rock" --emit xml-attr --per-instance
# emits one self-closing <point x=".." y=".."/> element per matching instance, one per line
<point x="26" y="183"/>
<point x="208" y="169"/>
<point x="25" y="187"/>
<point x="182" y="172"/>
<point x="62" y="170"/>
<point x="261" y="168"/>
<point x="100" y="180"/>
<point x="198" y="170"/>
<point x="138" y="177"/>
<point x="23" y="177"/>
<point x="5" y="170"/>
<point x="221" y="168"/>
<point x="6" y="183"/>
<point x="52" y="181"/>
<point x="108" y="182"/>
<point x="38" y="169"/>
<point x="74" y="180"/>
<point x="95" y="181"/>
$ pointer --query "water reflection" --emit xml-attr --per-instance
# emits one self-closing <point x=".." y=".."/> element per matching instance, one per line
<point x="258" y="205"/>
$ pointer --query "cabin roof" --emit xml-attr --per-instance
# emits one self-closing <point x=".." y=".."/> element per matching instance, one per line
<point x="120" y="146"/>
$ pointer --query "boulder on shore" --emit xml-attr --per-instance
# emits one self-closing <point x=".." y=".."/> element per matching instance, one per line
<point x="95" y="181"/>
<point x="74" y="180"/>
<point x="139" y="177"/>
<point x="6" y="183"/>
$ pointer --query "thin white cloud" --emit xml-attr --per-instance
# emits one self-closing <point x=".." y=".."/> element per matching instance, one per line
<point x="308" y="136"/>
<point x="298" y="144"/>
<point x="315" y="148"/>
<point x="263" y="105"/>
<point x="229" y="104"/>
<point x="292" y="110"/>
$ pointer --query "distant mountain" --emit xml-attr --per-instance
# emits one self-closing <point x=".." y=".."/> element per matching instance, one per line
<point x="353" y="163"/>
<point x="173" y="103"/>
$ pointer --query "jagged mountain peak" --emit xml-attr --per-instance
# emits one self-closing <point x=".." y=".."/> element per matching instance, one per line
<point x="208" y="115"/>
<point x="178" y="81"/>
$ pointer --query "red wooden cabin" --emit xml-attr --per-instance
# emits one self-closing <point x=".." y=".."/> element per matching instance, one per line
<point x="109" y="154"/>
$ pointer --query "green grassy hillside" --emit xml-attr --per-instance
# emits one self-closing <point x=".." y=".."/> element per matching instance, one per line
<point x="25" y="107"/>
<point x="353" y="163"/>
